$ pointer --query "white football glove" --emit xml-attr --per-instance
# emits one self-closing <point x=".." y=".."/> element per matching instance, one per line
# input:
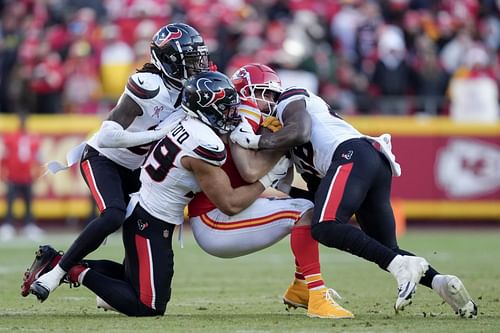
<point x="244" y="135"/>
<point x="277" y="172"/>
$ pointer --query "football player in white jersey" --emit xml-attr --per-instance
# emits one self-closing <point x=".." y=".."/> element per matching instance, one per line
<point x="268" y="219"/>
<point x="186" y="161"/>
<point x="112" y="158"/>
<point x="350" y="174"/>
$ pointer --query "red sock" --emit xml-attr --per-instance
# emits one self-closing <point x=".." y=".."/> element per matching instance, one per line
<point x="298" y="272"/>
<point x="306" y="252"/>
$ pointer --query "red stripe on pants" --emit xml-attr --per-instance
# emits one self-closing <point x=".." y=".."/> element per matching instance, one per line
<point x="335" y="192"/>
<point x="87" y="170"/>
<point x="145" y="271"/>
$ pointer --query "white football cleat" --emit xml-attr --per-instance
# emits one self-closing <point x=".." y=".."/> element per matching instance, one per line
<point x="47" y="283"/>
<point x="453" y="291"/>
<point x="101" y="304"/>
<point x="407" y="270"/>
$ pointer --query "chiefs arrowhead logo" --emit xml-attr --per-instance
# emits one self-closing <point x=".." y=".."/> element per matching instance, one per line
<point x="207" y="96"/>
<point x="165" y="35"/>
<point x="468" y="168"/>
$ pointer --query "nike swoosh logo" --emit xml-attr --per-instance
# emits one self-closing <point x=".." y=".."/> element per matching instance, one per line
<point x="243" y="131"/>
<point x="140" y="81"/>
<point x="211" y="147"/>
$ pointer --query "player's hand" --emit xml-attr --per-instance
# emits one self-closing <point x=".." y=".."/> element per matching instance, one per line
<point x="244" y="135"/>
<point x="277" y="173"/>
<point x="272" y="124"/>
<point x="163" y="128"/>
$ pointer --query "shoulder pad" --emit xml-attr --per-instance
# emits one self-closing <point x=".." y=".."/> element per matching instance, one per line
<point x="292" y="91"/>
<point x="211" y="153"/>
<point x="144" y="85"/>
<point x="208" y="145"/>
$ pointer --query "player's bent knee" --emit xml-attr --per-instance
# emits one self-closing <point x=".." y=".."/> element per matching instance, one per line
<point x="317" y="232"/>
<point x="306" y="218"/>
<point x="326" y="233"/>
<point x="112" y="218"/>
<point x="144" y="311"/>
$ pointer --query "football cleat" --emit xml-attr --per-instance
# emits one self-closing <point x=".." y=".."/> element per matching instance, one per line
<point x="322" y="305"/>
<point x="102" y="304"/>
<point x="46" y="257"/>
<point x="408" y="275"/>
<point x="453" y="291"/>
<point x="297" y="295"/>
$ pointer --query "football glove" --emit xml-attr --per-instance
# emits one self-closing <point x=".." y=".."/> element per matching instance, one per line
<point x="279" y="171"/>
<point x="244" y="135"/>
<point x="272" y="124"/>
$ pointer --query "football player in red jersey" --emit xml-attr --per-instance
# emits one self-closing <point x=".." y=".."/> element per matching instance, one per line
<point x="268" y="219"/>
<point x="350" y="174"/>
<point x="20" y="165"/>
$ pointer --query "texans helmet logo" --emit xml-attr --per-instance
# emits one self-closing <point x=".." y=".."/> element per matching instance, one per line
<point x="205" y="95"/>
<point x="165" y="35"/>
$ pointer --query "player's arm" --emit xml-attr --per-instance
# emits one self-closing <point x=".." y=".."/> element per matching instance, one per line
<point x="253" y="164"/>
<point x="113" y="133"/>
<point x="296" y="130"/>
<point x="215" y="183"/>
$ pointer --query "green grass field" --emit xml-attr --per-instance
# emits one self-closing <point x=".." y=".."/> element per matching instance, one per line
<point x="244" y="294"/>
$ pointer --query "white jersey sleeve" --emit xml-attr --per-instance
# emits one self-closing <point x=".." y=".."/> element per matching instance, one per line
<point x="157" y="102"/>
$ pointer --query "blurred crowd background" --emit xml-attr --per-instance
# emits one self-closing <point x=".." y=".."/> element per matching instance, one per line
<point x="398" y="57"/>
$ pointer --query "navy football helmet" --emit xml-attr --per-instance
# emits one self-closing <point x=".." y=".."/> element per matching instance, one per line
<point x="178" y="51"/>
<point x="212" y="98"/>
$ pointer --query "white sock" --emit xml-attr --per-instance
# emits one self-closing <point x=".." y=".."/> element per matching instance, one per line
<point x="58" y="272"/>
<point x="395" y="264"/>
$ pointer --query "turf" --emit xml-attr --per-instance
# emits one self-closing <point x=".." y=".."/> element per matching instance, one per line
<point x="244" y="294"/>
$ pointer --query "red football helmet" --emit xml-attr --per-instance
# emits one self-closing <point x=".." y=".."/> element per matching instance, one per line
<point x="252" y="77"/>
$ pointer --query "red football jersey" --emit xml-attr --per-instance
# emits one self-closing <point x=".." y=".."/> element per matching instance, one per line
<point x="200" y="203"/>
<point x="21" y="155"/>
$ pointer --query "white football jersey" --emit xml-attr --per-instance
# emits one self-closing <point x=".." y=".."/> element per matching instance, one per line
<point x="167" y="187"/>
<point x="157" y="102"/>
<point x="328" y="132"/>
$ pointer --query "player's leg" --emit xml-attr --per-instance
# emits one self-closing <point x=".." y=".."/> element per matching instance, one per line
<point x="7" y="230"/>
<point x="353" y="174"/>
<point x="109" y="268"/>
<point x="148" y="268"/>
<point x="104" y="179"/>
<point x="31" y="230"/>
<point x="340" y="195"/>
<point x="149" y="261"/>
<point x="376" y="218"/>
<point x="311" y="293"/>
<point x="261" y="225"/>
